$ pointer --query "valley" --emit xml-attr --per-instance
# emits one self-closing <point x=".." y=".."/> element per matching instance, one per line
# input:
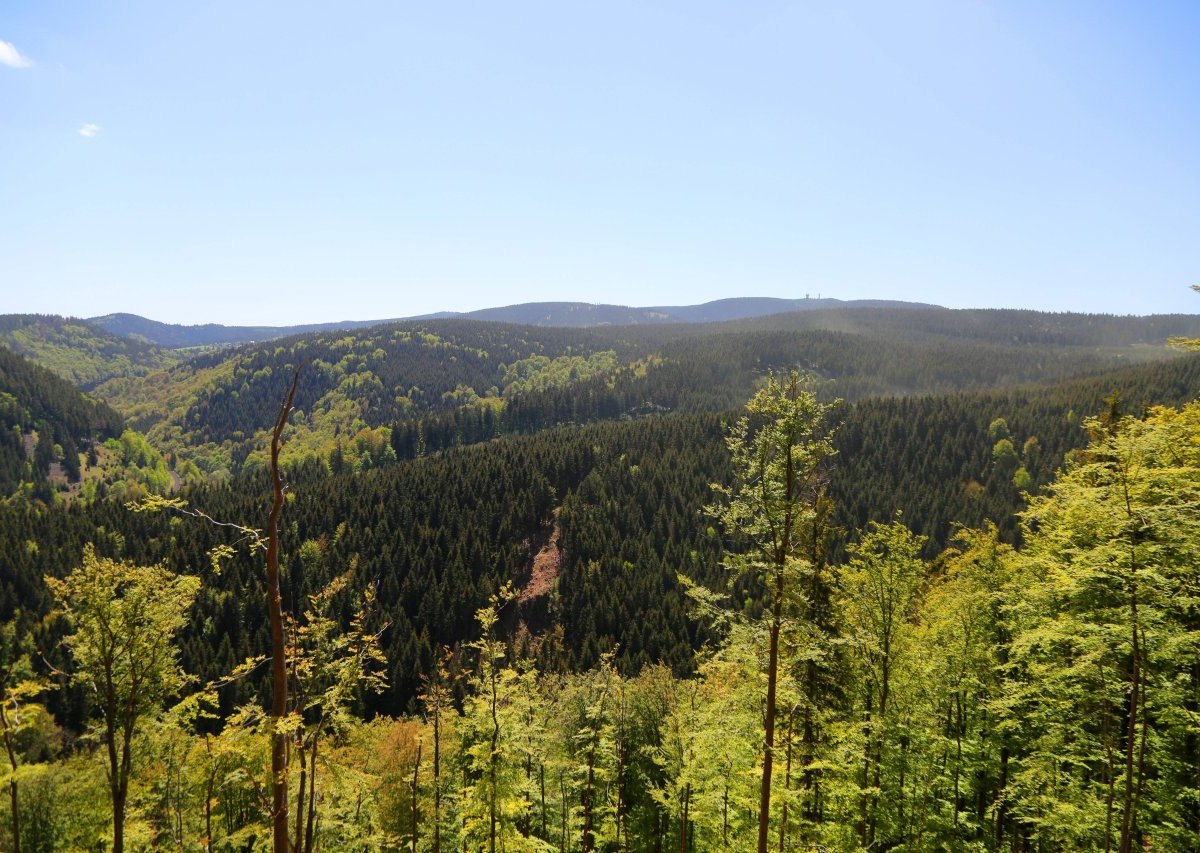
<point x="563" y="485"/>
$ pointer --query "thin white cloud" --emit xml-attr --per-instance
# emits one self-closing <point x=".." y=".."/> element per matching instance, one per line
<point x="10" y="56"/>
<point x="89" y="130"/>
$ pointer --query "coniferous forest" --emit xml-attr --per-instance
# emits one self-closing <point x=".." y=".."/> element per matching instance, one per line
<point x="858" y="579"/>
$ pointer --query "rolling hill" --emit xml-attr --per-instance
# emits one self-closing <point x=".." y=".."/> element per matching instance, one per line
<point x="45" y="423"/>
<point x="563" y="314"/>
<point x="418" y="386"/>
<point x="79" y="351"/>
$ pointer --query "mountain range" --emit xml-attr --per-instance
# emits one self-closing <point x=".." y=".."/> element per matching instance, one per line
<point x="564" y="314"/>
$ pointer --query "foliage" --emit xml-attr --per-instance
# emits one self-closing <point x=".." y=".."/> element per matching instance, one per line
<point x="773" y="505"/>
<point x="80" y="352"/>
<point x="937" y="687"/>
<point x="440" y="383"/>
<point x="1106" y="642"/>
<point x="124" y="618"/>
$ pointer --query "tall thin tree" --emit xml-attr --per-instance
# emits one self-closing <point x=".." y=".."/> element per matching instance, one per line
<point x="279" y="780"/>
<point x="778" y="449"/>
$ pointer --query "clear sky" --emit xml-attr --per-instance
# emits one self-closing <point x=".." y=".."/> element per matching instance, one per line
<point x="271" y="162"/>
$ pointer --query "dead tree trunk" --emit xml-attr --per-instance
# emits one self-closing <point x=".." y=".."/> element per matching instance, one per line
<point x="279" y="781"/>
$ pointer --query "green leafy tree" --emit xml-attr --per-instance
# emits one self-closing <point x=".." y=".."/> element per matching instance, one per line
<point x="1105" y="683"/>
<point x="591" y="742"/>
<point x="778" y="450"/>
<point x="18" y="687"/>
<point x="438" y="701"/>
<point x="878" y="592"/>
<point x="709" y="749"/>
<point x="125" y="617"/>
<point x="956" y="749"/>
<point x="330" y="666"/>
<point x="270" y="543"/>
<point x="494" y="803"/>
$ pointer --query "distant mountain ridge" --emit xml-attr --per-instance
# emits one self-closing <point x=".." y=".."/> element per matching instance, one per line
<point x="583" y="314"/>
<point x="561" y="314"/>
<point x="176" y="336"/>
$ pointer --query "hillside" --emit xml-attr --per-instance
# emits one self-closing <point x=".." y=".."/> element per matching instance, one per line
<point x="582" y="314"/>
<point x="176" y="336"/>
<point x="598" y="450"/>
<point x="414" y="387"/>
<point x="215" y="409"/>
<point x="79" y="351"/>
<point x="438" y="534"/>
<point x="46" y="425"/>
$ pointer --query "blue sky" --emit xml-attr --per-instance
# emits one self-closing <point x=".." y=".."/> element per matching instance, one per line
<point x="262" y="162"/>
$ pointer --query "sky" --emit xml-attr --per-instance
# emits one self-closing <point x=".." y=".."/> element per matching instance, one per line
<point x="279" y="163"/>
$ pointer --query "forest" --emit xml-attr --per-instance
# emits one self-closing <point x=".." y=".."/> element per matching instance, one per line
<point x="847" y="580"/>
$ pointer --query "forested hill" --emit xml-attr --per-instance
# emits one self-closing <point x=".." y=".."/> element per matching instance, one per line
<point x="967" y="458"/>
<point x="45" y="414"/>
<point x="216" y="408"/>
<point x="414" y="387"/>
<point x="583" y="475"/>
<point x="79" y="351"/>
<point x="176" y="336"/>
<point x="584" y="314"/>
<point x="1004" y="326"/>
<point x="562" y="314"/>
<point x="879" y="314"/>
<point x="436" y="536"/>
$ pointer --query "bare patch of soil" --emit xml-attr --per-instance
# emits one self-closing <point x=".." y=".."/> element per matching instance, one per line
<point x="546" y="563"/>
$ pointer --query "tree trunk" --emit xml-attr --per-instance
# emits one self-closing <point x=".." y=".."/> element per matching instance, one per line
<point x="302" y="789"/>
<point x="311" y="824"/>
<point x="787" y="782"/>
<point x="764" y="798"/>
<point x="1127" y="821"/>
<point x="622" y="831"/>
<point x="12" y="782"/>
<point x="437" y="777"/>
<point x="209" y="782"/>
<point x="279" y="782"/>
<point x="120" y="781"/>
<point x="118" y="819"/>
<point x="725" y="816"/>
<point x="877" y="776"/>
<point x="562" y="787"/>
<point x="587" y="841"/>
<point x="416" y="815"/>
<point x="1001" y="800"/>
<point x="781" y="549"/>
<point x="807" y="747"/>
<point x="492" y="765"/>
<point x="1141" y="760"/>
<point x="958" y="736"/>
<point x="1110" y="777"/>
<point x="866" y="773"/>
<point x="684" y="817"/>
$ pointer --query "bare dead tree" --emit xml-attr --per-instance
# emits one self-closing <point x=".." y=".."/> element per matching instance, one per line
<point x="279" y="780"/>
